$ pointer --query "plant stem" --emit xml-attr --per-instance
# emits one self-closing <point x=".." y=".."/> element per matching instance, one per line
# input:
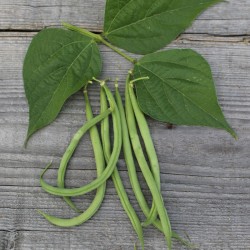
<point x="130" y="59"/>
<point x="98" y="38"/>
<point x="85" y="32"/>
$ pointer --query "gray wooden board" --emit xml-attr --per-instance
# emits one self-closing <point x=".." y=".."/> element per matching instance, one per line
<point x="223" y="19"/>
<point x="205" y="173"/>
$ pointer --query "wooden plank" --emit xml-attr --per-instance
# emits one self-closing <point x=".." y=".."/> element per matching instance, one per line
<point x="223" y="19"/>
<point x="211" y="220"/>
<point x="205" y="173"/>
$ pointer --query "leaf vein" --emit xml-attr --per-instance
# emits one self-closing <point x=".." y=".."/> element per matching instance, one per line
<point x="155" y="100"/>
<point x="145" y="18"/>
<point x="117" y="15"/>
<point x="178" y="65"/>
<point x="52" y="55"/>
<point x="58" y="87"/>
<point x="185" y="96"/>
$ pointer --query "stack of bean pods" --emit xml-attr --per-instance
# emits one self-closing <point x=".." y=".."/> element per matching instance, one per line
<point x="125" y="123"/>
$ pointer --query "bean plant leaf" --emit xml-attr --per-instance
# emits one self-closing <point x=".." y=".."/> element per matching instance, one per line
<point x="145" y="26"/>
<point x="180" y="89"/>
<point x="112" y="8"/>
<point x="58" y="63"/>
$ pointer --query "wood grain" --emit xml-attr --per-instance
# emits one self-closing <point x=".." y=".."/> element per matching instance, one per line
<point x="222" y="19"/>
<point x="205" y="173"/>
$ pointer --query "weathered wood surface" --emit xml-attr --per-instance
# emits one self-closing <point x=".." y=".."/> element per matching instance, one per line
<point x="205" y="173"/>
<point x="223" y="19"/>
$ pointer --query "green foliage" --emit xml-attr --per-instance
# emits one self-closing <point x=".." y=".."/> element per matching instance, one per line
<point x="180" y="89"/>
<point x="145" y="26"/>
<point x="58" y="63"/>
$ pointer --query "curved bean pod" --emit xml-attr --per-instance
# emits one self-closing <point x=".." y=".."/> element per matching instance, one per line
<point x="100" y="164"/>
<point x="111" y="164"/>
<point x="145" y="168"/>
<point x="63" y="167"/>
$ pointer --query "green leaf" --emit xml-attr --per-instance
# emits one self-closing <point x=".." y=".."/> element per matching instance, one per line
<point x="145" y="26"/>
<point x="58" y="63"/>
<point x="180" y="89"/>
<point x="112" y="8"/>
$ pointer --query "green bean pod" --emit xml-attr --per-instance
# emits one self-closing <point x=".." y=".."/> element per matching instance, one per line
<point x="64" y="163"/>
<point x="116" y="177"/>
<point x="105" y="133"/>
<point x="150" y="149"/>
<point x="100" y="164"/>
<point x="128" y="155"/>
<point x="111" y="164"/>
<point x="145" y="168"/>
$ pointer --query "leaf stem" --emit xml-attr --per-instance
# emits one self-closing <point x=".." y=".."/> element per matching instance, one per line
<point x="85" y="32"/>
<point x="98" y="38"/>
<point x="130" y="59"/>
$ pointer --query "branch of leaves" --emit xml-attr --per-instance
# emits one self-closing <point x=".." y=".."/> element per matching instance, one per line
<point x="125" y="122"/>
<point x="180" y="91"/>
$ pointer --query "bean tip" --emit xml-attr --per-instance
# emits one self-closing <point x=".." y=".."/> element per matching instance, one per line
<point x="46" y="168"/>
<point x="101" y="82"/>
<point x="85" y="91"/>
<point x="39" y="211"/>
<point x="116" y="82"/>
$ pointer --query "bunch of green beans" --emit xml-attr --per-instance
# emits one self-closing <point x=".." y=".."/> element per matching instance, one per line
<point x="126" y="124"/>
